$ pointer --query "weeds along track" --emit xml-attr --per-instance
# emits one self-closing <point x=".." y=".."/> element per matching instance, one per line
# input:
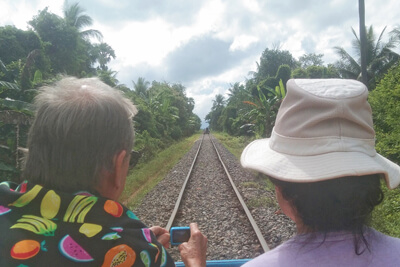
<point x="210" y="201"/>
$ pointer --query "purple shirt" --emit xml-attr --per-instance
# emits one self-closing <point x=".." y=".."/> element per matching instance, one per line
<point x="336" y="250"/>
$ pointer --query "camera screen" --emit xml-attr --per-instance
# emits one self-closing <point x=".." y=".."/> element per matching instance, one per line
<point x="180" y="236"/>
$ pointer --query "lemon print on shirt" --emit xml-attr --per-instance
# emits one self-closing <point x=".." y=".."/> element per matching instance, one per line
<point x="90" y="229"/>
<point x="50" y="205"/>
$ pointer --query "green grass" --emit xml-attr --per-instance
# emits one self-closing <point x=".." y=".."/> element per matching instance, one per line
<point x="143" y="177"/>
<point x="251" y="185"/>
<point x="262" y="202"/>
<point x="385" y="217"/>
<point x="235" y="144"/>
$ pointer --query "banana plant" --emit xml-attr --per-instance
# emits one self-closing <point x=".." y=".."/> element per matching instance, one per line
<point x="264" y="109"/>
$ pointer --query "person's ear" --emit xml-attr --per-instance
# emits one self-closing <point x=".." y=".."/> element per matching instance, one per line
<point x="285" y="205"/>
<point x="290" y="211"/>
<point x="119" y="175"/>
<point x="278" y="191"/>
<point x="113" y="181"/>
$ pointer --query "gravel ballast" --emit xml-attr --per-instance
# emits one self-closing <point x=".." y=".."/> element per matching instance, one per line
<point x="211" y="203"/>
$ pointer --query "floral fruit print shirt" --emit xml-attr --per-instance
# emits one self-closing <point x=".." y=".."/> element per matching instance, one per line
<point x="41" y="227"/>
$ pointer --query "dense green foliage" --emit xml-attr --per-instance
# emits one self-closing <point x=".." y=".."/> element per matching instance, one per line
<point x="165" y="115"/>
<point x="216" y="111"/>
<point x="271" y="60"/>
<point x="385" y="101"/>
<point x="16" y="43"/>
<point x="56" y="46"/>
<point x="386" y="216"/>
<point x="251" y="108"/>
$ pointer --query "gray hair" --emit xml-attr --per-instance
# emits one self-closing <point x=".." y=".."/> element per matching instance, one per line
<point x="80" y="125"/>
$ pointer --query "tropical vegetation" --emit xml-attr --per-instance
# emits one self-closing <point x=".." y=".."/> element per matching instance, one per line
<point x="55" y="46"/>
<point x="250" y="107"/>
<point x="380" y="57"/>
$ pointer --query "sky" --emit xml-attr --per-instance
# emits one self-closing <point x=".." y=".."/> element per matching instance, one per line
<point x="208" y="45"/>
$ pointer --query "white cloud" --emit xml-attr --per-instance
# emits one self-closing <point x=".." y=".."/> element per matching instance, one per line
<point x="242" y="42"/>
<point x="18" y="13"/>
<point x="251" y="5"/>
<point x="205" y="90"/>
<point x="114" y="4"/>
<point x="204" y="101"/>
<point x="137" y="42"/>
<point x="209" y="18"/>
<point x="151" y="40"/>
<point x="381" y="14"/>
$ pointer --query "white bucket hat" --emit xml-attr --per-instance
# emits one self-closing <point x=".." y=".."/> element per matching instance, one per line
<point x="323" y="130"/>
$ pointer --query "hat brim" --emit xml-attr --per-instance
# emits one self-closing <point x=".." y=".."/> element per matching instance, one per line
<point x="260" y="157"/>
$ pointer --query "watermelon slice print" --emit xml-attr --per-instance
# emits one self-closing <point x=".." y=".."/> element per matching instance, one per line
<point x="4" y="210"/>
<point x="146" y="234"/>
<point x="117" y="229"/>
<point x="73" y="251"/>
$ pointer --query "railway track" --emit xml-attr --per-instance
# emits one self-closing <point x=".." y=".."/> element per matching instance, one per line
<point x="227" y="177"/>
<point x="206" y="193"/>
<point x="209" y="200"/>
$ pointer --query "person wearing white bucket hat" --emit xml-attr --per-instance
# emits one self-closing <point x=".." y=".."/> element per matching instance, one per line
<point x="321" y="157"/>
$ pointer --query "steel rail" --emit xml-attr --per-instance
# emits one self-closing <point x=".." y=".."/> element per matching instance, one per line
<point x="178" y="201"/>
<point x="246" y="210"/>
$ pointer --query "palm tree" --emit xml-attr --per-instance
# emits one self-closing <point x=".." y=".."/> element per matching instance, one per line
<point x="218" y="102"/>
<point x="379" y="57"/>
<point x="75" y="17"/>
<point x="216" y="110"/>
<point x="103" y="54"/>
<point x="108" y="76"/>
<point x="395" y="33"/>
<point x="141" y="87"/>
<point x="363" y="42"/>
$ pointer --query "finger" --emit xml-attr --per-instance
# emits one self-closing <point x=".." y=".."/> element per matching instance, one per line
<point x="164" y="240"/>
<point x="194" y="228"/>
<point x="157" y="230"/>
<point x="182" y="246"/>
<point x="195" y="232"/>
<point x="164" y="231"/>
<point x="161" y="230"/>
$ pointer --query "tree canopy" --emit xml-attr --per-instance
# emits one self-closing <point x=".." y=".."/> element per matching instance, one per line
<point x="56" y="46"/>
<point x="271" y="60"/>
<point x="251" y="107"/>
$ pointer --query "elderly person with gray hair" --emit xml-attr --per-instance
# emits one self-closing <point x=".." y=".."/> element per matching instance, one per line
<point x="321" y="158"/>
<point x="66" y="211"/>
